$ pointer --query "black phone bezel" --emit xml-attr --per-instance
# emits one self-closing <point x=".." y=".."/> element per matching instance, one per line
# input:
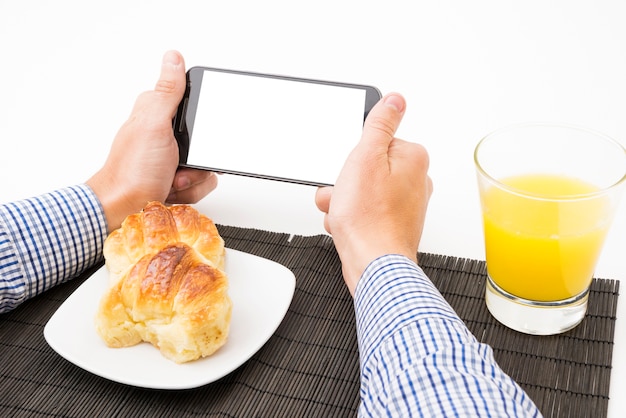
<point x="184" y="119"/>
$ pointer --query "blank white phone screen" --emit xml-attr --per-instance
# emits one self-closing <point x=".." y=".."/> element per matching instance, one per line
<point x="274" y="127"/>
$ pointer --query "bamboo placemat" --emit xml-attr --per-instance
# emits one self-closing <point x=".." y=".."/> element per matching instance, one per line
<point x="310" y="366"/>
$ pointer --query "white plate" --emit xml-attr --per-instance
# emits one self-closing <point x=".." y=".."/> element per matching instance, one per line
<point x="261" y="291"/>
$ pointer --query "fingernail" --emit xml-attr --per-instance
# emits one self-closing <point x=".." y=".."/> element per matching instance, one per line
<point x="395" y="101"/>
<point x="172" y="58"/>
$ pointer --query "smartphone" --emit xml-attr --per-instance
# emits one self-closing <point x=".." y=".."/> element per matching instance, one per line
<point x="269" y="126"/>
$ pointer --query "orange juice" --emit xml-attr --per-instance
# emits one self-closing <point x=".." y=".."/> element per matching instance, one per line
<point x="542" y="242"/>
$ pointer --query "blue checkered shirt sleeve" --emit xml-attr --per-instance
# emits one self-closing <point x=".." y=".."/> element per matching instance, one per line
<point x="418" y="359"/>
<point x="46" y="240"/>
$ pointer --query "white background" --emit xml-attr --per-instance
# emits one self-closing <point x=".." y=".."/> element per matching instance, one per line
<point x="70" y="72"/>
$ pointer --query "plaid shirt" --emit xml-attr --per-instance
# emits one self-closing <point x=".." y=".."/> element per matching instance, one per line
<point x="417" y="356"/>
<point x="47" y="240"/>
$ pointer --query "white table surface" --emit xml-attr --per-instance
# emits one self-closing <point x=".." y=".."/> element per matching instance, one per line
<point x="71" y="70"/>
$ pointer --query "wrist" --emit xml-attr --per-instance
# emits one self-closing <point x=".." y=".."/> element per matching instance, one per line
<point x="115" y="203"/>
<point x="356" y="258"/>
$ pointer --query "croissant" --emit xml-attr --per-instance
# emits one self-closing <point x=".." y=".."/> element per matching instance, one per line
<point x="156" y="226"/>
<point x="167" y="284"/>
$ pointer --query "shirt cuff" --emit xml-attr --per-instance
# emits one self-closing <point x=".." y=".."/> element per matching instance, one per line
<point x="49" y="239"/>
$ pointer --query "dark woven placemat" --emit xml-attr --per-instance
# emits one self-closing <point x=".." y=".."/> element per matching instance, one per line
<point x="310" y="366"/>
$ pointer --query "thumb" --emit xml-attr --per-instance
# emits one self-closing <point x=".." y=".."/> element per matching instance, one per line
<point x="322" y="198"/>
<point x="172" y="82"/>
<point x="383" y="120"/>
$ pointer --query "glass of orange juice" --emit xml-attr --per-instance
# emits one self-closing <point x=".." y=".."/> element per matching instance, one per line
<point x="548" y="196"/>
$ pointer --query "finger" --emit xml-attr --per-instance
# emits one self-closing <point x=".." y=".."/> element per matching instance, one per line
<point x="163" y="101"/>
<point x="190" y="186"/>
<point x="172" y="82"/>
<point x="189" y="196"/>
<point x="383" y="120"/>
<point x="322" y="198"/>
<point x="188" y="177"/>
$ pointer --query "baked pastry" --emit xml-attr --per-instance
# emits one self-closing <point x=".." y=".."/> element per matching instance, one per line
<point x="155" y="227"/>
<point x="167" y="284"/>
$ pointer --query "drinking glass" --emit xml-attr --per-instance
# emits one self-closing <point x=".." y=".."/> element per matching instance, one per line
<point x="548" y="196"/>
